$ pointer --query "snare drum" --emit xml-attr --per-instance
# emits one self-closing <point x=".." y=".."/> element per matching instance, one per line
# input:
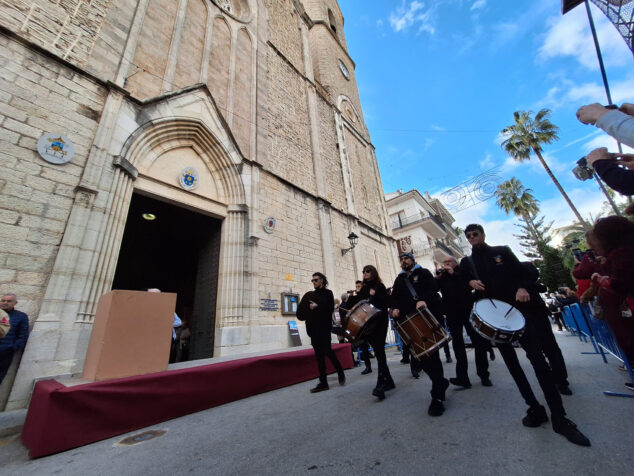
<point x="357" y="321"/>
<point x="497" y="321"/>
<point x="422" y="332"/>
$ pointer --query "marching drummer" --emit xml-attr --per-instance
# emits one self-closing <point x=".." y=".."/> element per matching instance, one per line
<point x="496" y="273"/>
<point x="415" y="288"/>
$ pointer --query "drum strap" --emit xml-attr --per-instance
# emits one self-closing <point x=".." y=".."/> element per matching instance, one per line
<point x="411" y="289"/>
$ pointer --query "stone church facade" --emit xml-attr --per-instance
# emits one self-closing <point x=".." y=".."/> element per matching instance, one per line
<point x="235" y="124"/>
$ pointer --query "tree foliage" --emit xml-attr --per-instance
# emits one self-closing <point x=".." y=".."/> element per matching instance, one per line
<point x="526" y="135"/>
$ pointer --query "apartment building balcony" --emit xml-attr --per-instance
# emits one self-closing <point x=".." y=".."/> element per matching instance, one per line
<point x="432" y="225"/>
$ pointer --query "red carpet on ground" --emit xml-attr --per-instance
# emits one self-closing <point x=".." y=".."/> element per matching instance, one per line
<point x="60" y="418"/>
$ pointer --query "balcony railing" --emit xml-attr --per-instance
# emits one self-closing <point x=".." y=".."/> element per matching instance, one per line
<point x="398" y="223"/>
<point x="445" y="248"/>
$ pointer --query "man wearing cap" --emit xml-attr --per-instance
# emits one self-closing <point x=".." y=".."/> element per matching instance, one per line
<point x="415" y="288"/>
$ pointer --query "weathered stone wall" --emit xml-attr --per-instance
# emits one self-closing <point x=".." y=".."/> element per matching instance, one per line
<point x="284" y="33"/>
<point x="293" y="248"/>
<point x="285" y="119"/>
<point x="331" y="157"/>
<point x="37" y="96"/>
<point x="366" y="194"/>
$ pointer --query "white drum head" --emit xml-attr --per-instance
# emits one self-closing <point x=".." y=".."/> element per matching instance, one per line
<point x="499" y="314"/>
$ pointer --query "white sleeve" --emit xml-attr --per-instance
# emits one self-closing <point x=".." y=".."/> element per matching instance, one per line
<point x="619" y="125"/>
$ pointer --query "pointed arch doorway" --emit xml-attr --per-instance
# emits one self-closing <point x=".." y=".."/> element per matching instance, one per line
<point x="177" y="250"/>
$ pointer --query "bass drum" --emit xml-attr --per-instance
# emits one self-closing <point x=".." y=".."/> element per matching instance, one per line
<point x="497" y="321"/>
<point x="357" y="321"/>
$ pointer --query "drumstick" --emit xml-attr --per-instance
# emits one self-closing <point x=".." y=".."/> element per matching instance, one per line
<point x="493" y="303"/>
<point x="507" y="312"/>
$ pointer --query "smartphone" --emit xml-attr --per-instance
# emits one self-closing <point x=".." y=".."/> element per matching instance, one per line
<point x="578" y="253"/>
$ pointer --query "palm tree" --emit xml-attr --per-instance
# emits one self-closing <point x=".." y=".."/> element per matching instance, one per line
<point x="527" y="135"/>
<point x="512" y="196"/>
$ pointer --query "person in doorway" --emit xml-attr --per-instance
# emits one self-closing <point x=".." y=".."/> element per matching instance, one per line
<point x="316" y="309"/>
<point x="415" y="288"/>
<point x="16" y="336"/>
<point x="496" y="273"/>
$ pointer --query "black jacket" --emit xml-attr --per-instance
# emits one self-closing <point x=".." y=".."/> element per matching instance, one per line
<point x="617" y="178"/>
<point x="500" y="271"/>
<point x="457" y="295"/>
<point x="380" y="299"/>
<point x="426" y="289"/>
<point x="319" y="320"/>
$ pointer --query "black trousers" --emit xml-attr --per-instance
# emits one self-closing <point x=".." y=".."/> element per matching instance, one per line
<point x="376" y="338"/>
<point x="534" y="351"/>
<point x="321" y="346"/>
<point x="5" y="362"/>
<point x="432" y="366"/>
<point x="551" y="348"/>
<point x="457" y="321"/>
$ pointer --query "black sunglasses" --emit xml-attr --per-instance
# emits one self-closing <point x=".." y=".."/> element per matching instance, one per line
<point x="315" y="280"/>
<point x="472" y="235"/>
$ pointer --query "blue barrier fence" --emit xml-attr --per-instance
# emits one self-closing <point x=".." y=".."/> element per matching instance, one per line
<point x="580" y="321"/>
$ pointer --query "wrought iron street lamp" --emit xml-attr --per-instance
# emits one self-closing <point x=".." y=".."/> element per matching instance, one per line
<point x="353" y="239"/>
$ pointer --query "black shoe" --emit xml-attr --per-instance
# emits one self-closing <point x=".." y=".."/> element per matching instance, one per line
<point x="535" y="416"/>
<point x="486" y="382"/>
<point x="491" y="355"/>
<point x="415" y="373"/>
<point x="629" y="385"/>
<point x="404" y="361"/>
<point x="565" y="427"/>
<point x="448" y="360"/>
<point x="564" y="389"/>
<point x="367" y="371"/>
<point x="460" y="383"/>
<point x="319" y="388"/>
<point x="436" y="408"/>
<point x="379" y="392"/>
<point x="342" y="378"/>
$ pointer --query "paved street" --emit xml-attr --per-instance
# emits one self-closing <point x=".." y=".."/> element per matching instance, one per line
<point x="347" y="431"/>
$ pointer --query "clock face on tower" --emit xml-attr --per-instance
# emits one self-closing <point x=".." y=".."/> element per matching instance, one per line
<point x="344" y="70"/>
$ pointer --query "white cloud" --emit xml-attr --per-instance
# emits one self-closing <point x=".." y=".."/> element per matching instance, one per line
<point x="604" y="140"/>
<point x="478" y="4"/>
<point x="434" y="127"/>
<point x="487" y="162"/>
<point x="588" y="199"/>
<point x="567" y="93"/>
<point x="409" y="15"/>
<point x="569" y="35"/>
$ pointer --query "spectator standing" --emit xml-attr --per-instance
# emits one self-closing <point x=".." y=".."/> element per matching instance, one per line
<point x="17" y="335"/>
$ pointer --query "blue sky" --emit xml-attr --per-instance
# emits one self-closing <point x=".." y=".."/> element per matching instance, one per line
<point x="440" y="79"/>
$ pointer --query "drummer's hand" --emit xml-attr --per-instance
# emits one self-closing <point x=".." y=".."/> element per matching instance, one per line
<point x="522" y="295"/>
<point x="421" y="305"/>
<point x="372" y="292"/>
<point x="312" y="305"/>
<point x="395" y="313"/>
<point x="477" y="284"/>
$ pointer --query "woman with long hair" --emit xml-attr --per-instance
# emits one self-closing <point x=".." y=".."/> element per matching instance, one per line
<point x="375" y="293"/>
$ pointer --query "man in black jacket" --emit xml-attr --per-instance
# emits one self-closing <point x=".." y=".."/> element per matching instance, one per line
<point x="405" y="301"/>
<point x="316" y="308"/>
<point x="496" y="273"/>
<point x="457" y="297"/>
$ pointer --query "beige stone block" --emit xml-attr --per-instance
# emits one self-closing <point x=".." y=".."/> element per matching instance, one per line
<point x="31" y="278"/>
<point x="7" y="275"/>
<point x="21" y="128"/>
<point x="9" y="136"/>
